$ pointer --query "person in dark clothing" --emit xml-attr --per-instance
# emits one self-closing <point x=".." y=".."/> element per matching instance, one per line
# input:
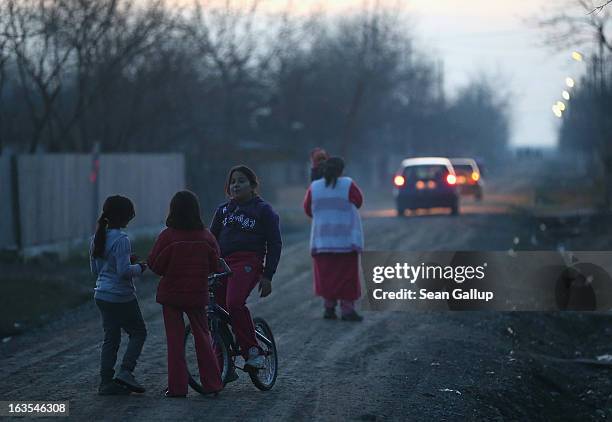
<point x="248" y="232"/>
<point x="317" y="158"/>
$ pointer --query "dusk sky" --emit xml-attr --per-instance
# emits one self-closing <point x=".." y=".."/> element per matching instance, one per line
<point x="490" y="36"/>
<point x="475" y="37"/>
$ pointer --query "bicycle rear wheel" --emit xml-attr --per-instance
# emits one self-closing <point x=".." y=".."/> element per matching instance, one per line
<point x="223" y="354"/>
<point x="265" y="378"/>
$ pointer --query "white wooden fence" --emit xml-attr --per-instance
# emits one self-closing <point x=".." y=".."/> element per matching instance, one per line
<point x="58" y="200"/>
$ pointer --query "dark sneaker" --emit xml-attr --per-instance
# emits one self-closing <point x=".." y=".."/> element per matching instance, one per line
<point x="126" y="378"/>
<point x="330" y="313"/>
<point x="111" y="388"/>
<point x="353" y="316"/>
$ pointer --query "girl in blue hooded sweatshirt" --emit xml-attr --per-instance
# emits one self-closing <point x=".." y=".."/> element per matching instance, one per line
<point x="248" y="232"/>
<point x="115" y="295"/>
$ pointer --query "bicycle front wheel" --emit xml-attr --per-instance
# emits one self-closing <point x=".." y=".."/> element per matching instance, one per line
<point x="222" y="352"/>
<point x="265" y="378"/>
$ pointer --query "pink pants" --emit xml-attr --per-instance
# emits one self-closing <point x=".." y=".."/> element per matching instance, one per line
<point x="233" y="292"/>
<point x="210" y="376"/>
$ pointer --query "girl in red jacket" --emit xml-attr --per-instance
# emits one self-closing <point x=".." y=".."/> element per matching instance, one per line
<point x="184" y="255"/>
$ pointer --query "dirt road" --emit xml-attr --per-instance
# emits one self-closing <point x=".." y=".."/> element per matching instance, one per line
<point x="392" y="366"/>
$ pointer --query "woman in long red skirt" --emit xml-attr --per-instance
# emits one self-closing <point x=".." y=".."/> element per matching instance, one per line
<point x="336" y="239"/>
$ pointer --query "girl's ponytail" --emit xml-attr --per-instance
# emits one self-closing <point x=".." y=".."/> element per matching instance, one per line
<point x="100" y="237"/>
<point x="117" y="212"/>
<point x="332" y="170"/>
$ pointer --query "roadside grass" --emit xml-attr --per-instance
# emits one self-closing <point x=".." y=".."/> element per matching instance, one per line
<point x="559" y="184"/>
<point x="44" y="286"/>
<point x="563" y="194"/>
<point x="29" y="302"/>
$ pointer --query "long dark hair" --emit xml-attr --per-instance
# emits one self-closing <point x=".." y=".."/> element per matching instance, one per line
<point x="250" y="174"/>
<point x="117" y="211"/>
<point x="332" y="169"/>
<point x="184" y="212"/>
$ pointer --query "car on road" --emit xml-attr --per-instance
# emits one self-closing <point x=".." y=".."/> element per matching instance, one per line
<point x="469" y="177"/>
<point x="426" y="182"/>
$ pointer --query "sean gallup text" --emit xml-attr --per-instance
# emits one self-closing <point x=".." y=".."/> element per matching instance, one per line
<point x="424" y="294"/>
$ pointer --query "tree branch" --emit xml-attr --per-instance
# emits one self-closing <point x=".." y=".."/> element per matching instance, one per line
<point x="600" y="8"/>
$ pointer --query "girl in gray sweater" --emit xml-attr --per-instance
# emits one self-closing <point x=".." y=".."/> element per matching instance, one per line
<point x="115" y="296"/>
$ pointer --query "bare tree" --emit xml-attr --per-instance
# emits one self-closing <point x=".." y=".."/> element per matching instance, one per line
<point x="4" y="58"/>
<point x="584" y="24"/>
<point x="601" y="7"/>
<point x="137" y="76"/>
<point x="35" y="40"/>
<point x="110" y="39"/>
<point x="580" y="23"/>
<point x="68" y="53"/>
<point x="573" y="25"/>
<point x="376" y="40"/>
<point x="229" y="42"/>
<point x="290" y="67"/>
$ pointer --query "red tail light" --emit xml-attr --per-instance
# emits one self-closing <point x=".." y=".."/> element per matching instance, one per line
<point x="399" y="181"/>
<point x="475" y="176"/>
<point x="451" y="179"/>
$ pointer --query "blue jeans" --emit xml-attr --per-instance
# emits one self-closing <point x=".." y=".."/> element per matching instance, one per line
<point x="117" y="316"/>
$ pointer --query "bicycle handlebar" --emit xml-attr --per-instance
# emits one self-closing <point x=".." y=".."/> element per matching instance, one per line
<point x="226" y="273"/>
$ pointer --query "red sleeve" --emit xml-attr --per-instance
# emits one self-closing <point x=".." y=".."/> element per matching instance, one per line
<point x="355" y="195"/>
<point x="214" y="253"/>
<point x="158" y="258"/>
<point x="308" y="203"/>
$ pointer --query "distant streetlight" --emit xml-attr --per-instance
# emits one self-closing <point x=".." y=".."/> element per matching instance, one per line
<point x="561" y="105"/>
<point x="577" y="56"/>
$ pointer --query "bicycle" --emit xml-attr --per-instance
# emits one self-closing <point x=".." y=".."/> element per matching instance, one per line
<point x="224" y="342"/>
